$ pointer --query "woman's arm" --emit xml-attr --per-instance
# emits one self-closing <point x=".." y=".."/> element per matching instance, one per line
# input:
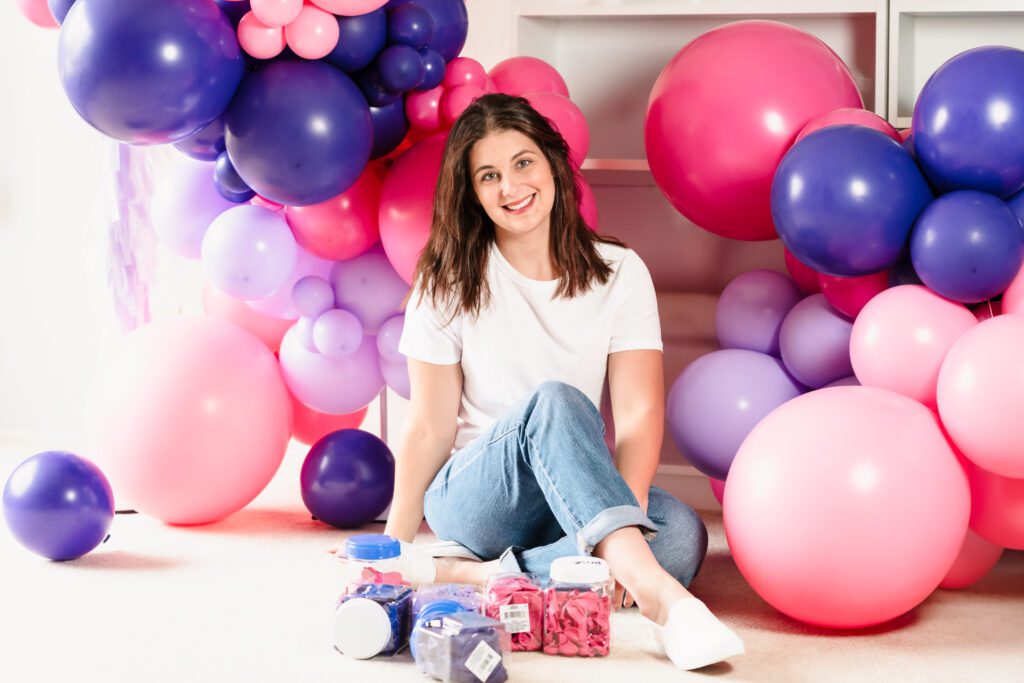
<point x="426" y="442"/>
<point x="636" y="382"/>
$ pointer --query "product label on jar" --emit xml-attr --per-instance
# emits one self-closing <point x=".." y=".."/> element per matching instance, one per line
<point x="515" y="617"/>
<point x="482" y="661"/>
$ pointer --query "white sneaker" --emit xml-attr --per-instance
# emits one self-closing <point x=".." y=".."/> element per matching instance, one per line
<point x="693" y="637"/>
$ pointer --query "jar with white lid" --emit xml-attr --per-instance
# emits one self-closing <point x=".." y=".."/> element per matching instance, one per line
<point x="373" y="620"/>
<point x="578" y="607"/>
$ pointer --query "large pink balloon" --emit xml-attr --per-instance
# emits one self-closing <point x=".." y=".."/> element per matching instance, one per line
<point x="38" y="12"/>
<point x="901" y="337"/>
<point x="267" y="329"/>
<point x="520" y="75"/>
<point x="845" y="507"/>
<point x="981" y="394"/>
<point x="407" y="203"/>
<point x="342" y="227"/>
<point x="190" y="419"/>
<point x="976" y="559"/>
<point x="725" y="110"/>
<point x="568" y="120"/>
<point x="849" y="115"/>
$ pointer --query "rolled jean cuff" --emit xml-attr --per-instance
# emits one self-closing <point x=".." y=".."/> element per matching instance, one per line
<point x="613" y="519"/>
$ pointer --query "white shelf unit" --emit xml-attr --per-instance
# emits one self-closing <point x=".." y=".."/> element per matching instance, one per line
<point x="926" y="33"/>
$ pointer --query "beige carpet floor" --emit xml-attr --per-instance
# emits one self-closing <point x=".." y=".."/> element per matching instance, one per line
<point x="249" y="599"/>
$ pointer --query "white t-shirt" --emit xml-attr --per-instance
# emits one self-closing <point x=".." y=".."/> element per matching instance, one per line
<point x="525" y="337"/>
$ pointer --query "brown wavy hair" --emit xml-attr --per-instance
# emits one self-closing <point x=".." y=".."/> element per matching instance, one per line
<point x="452" y="267"/>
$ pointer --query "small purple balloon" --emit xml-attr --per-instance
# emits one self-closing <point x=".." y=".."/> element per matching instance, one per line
<point x="337" y="333"/>
<point x="249" y="252"/>
<point x="368" y="286"/>
<point x="334" y="386"/>
<point x="396" y="376"/>
<point x="184" y="203"/>
<point x="751" y="309"/>
<point x="279" y="304"/>
<point x="815" y="342"/>
<point x="388" y="336"/>
<point x="718" y="399"/>
<point x="313" y="296"/>
<point x="303" y="329"/>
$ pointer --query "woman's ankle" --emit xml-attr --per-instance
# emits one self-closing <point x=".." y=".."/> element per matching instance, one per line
<point x="656" y="599"/>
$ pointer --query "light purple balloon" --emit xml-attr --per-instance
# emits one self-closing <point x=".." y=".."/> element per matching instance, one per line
<point x="396" y="375"/>
<point x="718" y="399"/>
<point x="279" y="304"/>
<point x="304" y="331"/>
<point x="184" y="204"/>
<point x="751" y="309"/>
<point x="335" y="386"/>
<point x="249" y="252"/>
<point x="313" y="296"/>
<point x="815" y="342"/>
<point x="368" y="286"/>
<point x="337" y="333"/>
<point x="388" y="336"/>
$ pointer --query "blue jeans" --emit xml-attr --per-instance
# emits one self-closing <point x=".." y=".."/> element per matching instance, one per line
<point x="540" y="485"/>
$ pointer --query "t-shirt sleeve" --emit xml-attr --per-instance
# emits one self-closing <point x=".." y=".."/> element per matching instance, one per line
<point x="636" y="324"/>
<point x="428" y="334"/>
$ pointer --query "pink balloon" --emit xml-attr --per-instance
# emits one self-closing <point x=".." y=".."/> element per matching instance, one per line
<point x="334" y="386"/>
<point x="567" y="119"/>
<point x="976" y="559"/>
<point x="718" y="489"/>
<point x="520" y="75"/>
<point x="588" y="205"/>
<point x="266" y="203"/>
<point x="902" y="336"/>
<point x="1013" y="297"/>
<point x="407" y="203"/>
<point x="38" y="12"/>
<point x="423" y="109"/>
<point x="190" y="419"/>
<point x="313" y="34"/>
<point x="341" y="227"/>
<point x="725" y="110"/>
<point x="465" y="71"/>
<point x="276" y="13"/>
<point x="981" y="394"/>
<point x="455" y="100"/>
<point x="349" y="8"/>
<point x="845" y="507"/>
<point x="905" y="133"/>
<point x="265" y="328"/>
<point x="310" y="426"/>
<point x="848" y="295"/>
<point x="850" y="115"/>
<point x="279" y="304"/>
<point x="997" y="506"/>
<point x="258" y="39"/>
<point x="804" y="276"/>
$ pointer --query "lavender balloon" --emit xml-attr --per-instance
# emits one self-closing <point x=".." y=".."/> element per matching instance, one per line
<point x="313" y="296"/>
<point x="751" y="309"/>
<point x="396" y="376"/>
<point x="249" y="252"/>
<point x="303" y="329"/>
<point x="280" y="304"/>
<point x="327" y="385"/>
<point x="337" y="333"/>
<point x="368" y="286"/>
<point x="718" y="399"/>
<point x="184" y="204"/>
<point x="815" y="342"/>
<point x="388" y="336"/>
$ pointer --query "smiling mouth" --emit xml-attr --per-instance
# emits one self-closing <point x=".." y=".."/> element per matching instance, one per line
<point x="520" y="206"/>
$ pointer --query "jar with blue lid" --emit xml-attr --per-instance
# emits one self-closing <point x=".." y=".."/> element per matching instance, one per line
<point x="373" y="558"/>
<point x="462" y="647"/>
<point x="373" y="620"/>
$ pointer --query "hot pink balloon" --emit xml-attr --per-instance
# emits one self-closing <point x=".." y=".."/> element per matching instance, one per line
<point x="848" y="295"/>
<point x="276" y="12"/>
<point x="38" y="12"/>
<point x="997" y="506"/>
<point x="407" y="203"/>
<point x="258" y="39"/>
<point x="987" y="309"/>
<point x="717" y="489"/>
<point x="588" y="205"/>
<point x="341" y="227"/>
<point x="845" y="507"/>
<point x="309" y="426"/>
<point x="905" y="133"/>
<point x="465" y="71"/>
<point x="901" y="337"/>
<point x="981" y="395"/>
<point x="520" y="75"/>
<point x="805" y="277"/>
<point x="455" y="100"/>
<point x="568" y="120"/>
<point x="849" y="115"/>
<point x="976" y="559"/>
<point x="313" y="34"/>
<point x="423" y="109"/>
<point x="266" y="203"/>
<point x="724" y="111"/>
<point x="267" y="329"/>
<point x="349" y="8"/>
<point x="190" y="419"/>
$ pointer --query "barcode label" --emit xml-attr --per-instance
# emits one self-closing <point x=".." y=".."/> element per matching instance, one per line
<point x="515" y="617"/>
<point x="482" y="661"/>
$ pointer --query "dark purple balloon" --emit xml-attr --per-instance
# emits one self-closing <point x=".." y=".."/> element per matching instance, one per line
<point x="58" y="505"/>
<point x="1016" y="204"/>
<point x="451" y="24"/>
<point x="360" y="40"/>
<point x="410" y="25"/>
<point x="148" y="72"/>
<point x="373" y="89"/>
<point x="389" y="128"/>
<point x="205" y="144"/>
<point x="234" y="10"/>
<point x="348" y="478"/>
<point x="969" y="122"/>
<point x="433" y="69"/>
<point x="845" y="198"/>
<point x="59" y="9"/>
<point x="298" y="132"/>
<point x="967" y="246"/>
<point x="400" y="68"/>
<point x="228" y="183"/>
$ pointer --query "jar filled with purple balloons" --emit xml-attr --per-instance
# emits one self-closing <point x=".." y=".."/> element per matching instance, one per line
<point x="373" y="620"/>
<point x="463" y="648"/>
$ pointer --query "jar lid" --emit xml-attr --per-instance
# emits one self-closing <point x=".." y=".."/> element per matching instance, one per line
<point x="361" y="628"/>
<point x="582" y="569"/>
<point x="372" y="547"/>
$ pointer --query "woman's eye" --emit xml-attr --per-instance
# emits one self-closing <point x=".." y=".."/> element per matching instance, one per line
<point x="523" y="163"/>
<point x="489" y="176"/>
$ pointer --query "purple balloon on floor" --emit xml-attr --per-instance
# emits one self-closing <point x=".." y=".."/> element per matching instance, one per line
<point x="348" y="478"/>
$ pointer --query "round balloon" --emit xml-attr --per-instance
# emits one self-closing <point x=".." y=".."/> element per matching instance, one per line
<point x="848" y="295"/>
<point x="976" y="559"/>
<point x="369" y="287"/>
<point x="360" y="40"/>
<point x="348" y="478"/>
<point x="267" y="329"/>
<point x="184" y="203"/>
<point x="814" y="342"/>
<point x="521" y="75"/>
<point x="849" y="115"/>
<point x="997" y="506"/>
<point x="344" y="226"/>
<point x="309" y="426"/>
<point x="335" y="386"/>
<point x="751" y="309"/>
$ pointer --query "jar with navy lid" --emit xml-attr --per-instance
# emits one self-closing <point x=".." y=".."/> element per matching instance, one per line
<point x="373" y="620"/>
<point x="372" y="558"/>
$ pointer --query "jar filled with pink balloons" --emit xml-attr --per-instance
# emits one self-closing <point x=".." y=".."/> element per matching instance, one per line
<point x="516" y="600"/>
<point x="578" y="607"/>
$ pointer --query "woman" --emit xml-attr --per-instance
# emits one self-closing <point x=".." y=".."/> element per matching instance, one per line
<point x="519" y="314"/>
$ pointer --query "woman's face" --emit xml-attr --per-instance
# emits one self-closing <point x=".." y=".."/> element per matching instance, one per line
<point x="513" y="182"/>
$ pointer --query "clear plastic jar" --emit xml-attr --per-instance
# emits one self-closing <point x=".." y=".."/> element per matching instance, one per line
<point x="516" y="600"/>
<point x="578" y="607"/>
<point x="373" y="619"/>
<point x="373" y="558"/>
<point x="466" y="594"/>
<point x="465" y="647"/>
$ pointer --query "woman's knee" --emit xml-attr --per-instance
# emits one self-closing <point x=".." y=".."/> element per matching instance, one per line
<point x="682" y="540"/>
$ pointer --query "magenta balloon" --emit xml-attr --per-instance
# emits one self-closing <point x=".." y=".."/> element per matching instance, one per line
<point x="751" y="310"/>
<point x="396" y="375"/>
<point x="976" y="559"/>
<point x="184" y="203"/>
<point x="327" y="385"/>
<point x="337" y="333"/>
<point x="249" y="252"/>
<point x="815" y="342"/>
<point x="520" y="75"/>
<point x="850" y="115"/>
<point x="568" y="120"/>
<point x="369" y="287"/>
<point x="280" y="304"/>
<point x="724" y="111"/>
<point x="388" y="336"/>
